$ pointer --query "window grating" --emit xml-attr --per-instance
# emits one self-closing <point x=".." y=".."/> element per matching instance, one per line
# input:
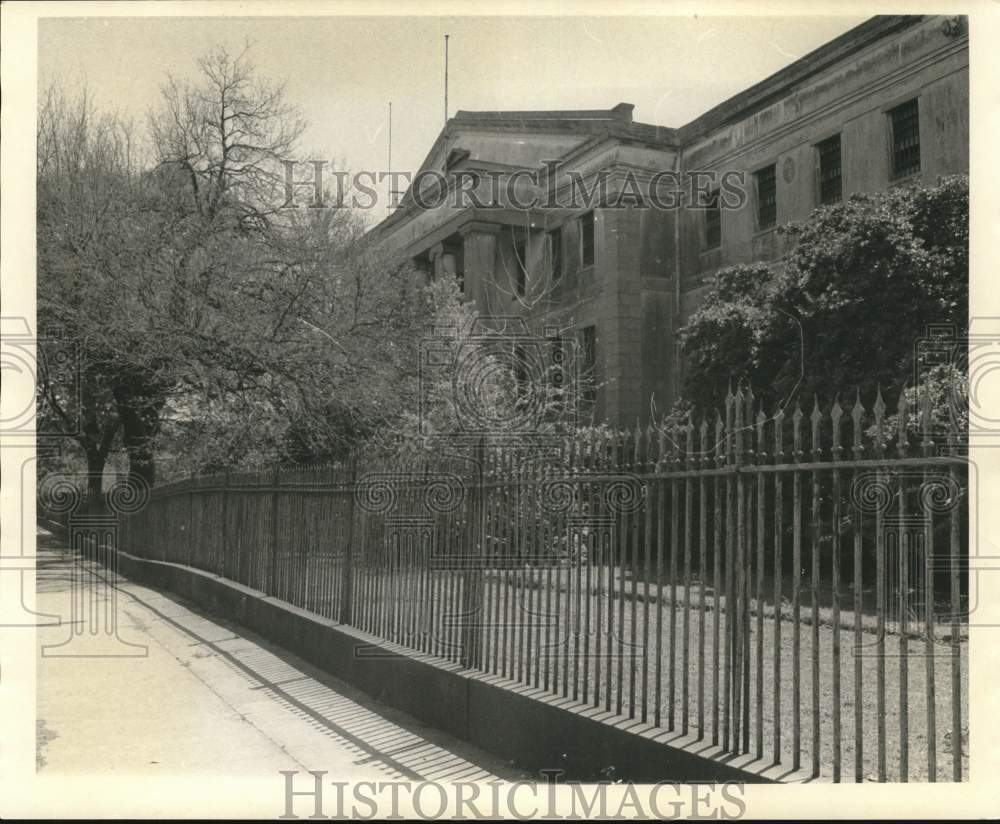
<point x="905" y="122"/>
<point x="767" y="200"/>
<point x="829" y="170"/>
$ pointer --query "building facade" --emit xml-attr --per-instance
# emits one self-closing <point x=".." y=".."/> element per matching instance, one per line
<point x="595" y="228"/>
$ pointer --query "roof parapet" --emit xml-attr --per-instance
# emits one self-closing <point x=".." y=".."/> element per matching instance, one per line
<point x="621" y="113"/>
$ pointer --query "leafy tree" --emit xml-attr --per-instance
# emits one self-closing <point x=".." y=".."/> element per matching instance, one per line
<point x="216" y="330"/>
<point x="217" y="143"/>
<point x="847" y="307"/>
<point x="89" y="192"/>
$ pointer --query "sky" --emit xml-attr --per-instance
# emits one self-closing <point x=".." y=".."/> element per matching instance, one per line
<point x="343" y="71"/>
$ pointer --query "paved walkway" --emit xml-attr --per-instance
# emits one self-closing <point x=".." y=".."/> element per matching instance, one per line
<point x="203" y="697"/>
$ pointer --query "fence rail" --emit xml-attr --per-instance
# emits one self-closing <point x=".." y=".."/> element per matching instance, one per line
<point x="725" y="579"/>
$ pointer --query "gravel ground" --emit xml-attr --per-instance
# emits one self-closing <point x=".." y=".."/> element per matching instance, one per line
<point x="520" y="611"/>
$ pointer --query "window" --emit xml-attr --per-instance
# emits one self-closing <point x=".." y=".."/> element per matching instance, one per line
<point x="520" y="268"/>
<point x="587" y="239"/>
<point x="713" y="222"/>
<point x="767" y="201"/>
<point x="904" y="121"/>
<point x="588" y="363"/>
<point x="555" y="250"/>
<point x="828" y="157"/>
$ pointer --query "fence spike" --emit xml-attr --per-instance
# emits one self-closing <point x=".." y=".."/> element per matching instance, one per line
<point x="779" y="447"/>
<point x="925" y="419"/>
<point x="649" y="464"/>
<point x="761" y="421"/>
<point x="661" y="446"/>
<point x="797" y="431"/>
<point x="902" y="416"/>
<point x="730" y="429"/>
<point x="637" y="448"/>
<point x="879" y="409"/>
<point x="720" y="439"/>
<point x="836" y="413"/>
<point x="738" y="408"/>
<point x="815" y="419"/>
<point x="689" y="442"/>
<point x="703" y="441"/>
<point x="857" y="415"/>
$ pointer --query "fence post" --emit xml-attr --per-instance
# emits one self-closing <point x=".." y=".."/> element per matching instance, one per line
<point x="190" y="529"/>
<point x="471" y="599"/>
<point x="272" y="587"/>
<point x="347" y="582"/>
<point x="739" y="594"/>
<point x="227" y="571"/>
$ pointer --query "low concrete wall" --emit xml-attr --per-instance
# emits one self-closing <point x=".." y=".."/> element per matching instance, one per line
<point x="533" y="729"/>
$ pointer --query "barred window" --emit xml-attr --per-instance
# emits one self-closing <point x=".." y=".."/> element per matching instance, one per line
<point x="905" y="124"/>
<point x="829" y="170"/>
<point x="713" y="222"/>
<point x="587" y="239"/>
<point x="767" y="200"/>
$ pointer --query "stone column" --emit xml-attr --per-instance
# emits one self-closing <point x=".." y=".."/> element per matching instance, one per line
<point x="436" y="254"/>
<point x="480" y="251"/>
<point x="618" y="244"/>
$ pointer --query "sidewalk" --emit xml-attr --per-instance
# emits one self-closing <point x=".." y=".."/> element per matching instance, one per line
<point x="209" y="699"/>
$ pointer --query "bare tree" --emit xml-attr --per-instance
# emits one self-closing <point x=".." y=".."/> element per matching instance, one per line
<point x="227" y="136"/>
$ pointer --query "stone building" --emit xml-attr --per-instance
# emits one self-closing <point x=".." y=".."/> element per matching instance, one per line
<point x="883" y="105"/>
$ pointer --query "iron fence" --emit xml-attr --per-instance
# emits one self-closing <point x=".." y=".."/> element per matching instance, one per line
<point x="789" y="587"/>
